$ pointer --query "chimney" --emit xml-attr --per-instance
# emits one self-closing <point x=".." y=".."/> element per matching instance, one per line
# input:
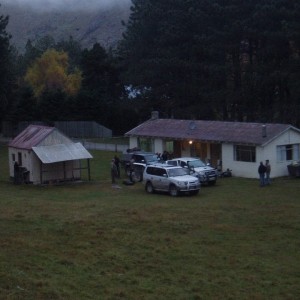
<point x="154" y="115"/>
<point x="264" y="131"/>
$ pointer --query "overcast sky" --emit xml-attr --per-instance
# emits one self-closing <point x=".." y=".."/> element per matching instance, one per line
<point x="66" y="4"/>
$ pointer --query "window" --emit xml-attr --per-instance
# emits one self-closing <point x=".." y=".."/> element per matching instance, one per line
<point x="183" y="164"/>
<point x="245" y="153"/>
<point x="145" y="144"/>
<point x="161" y="172"/>
<point x="151" y="170"/>
<point x="172" y="162"/>
<point x="288" y="152"/>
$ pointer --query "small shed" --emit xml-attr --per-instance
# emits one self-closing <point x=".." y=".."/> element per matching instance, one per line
<point x="42" y="154"/>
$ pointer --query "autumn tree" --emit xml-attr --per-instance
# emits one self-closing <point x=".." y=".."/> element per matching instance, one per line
<point x="50" y="73"/>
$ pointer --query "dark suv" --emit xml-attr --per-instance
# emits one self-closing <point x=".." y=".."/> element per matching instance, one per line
<point x="166" y="178"/>
<point x="140" y="160"/>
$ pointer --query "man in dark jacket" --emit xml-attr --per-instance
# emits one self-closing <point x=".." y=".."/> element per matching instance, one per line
<point x="261" y="171"/>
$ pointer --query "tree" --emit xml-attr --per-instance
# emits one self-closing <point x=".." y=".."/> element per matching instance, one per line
<point x="162" y="50"/>
<point x="99" y="98"/>
<point x="50" y="73"/>
<point x="6" y="68"/>
<point x="73" y="48"/>
<point x="230" y="60"/>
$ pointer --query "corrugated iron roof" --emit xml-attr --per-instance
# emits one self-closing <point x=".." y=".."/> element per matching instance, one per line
<point x="61" y="152"/>
<point x="31" y="136"/>
<point x="211" y="131"/>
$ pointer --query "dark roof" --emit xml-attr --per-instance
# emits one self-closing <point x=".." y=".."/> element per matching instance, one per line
<point x="210" y="131"/>
<point x="31" y="136"/>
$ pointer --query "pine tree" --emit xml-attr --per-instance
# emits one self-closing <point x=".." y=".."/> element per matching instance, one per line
<point x="230" y="60"/>
<point x="6" y="69"/>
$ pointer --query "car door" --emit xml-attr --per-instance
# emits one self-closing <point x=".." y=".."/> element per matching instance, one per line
<point x="154" y="178"/>
<point x="162" y="179"/>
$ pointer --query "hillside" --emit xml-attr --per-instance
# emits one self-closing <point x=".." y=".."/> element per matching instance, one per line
<point x="87" y="27"/>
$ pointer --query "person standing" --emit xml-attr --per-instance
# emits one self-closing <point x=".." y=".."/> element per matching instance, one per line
<point x="268" y="171"/>
<point x="131" y="169"/>
<point x="165" y="155"/>
<point x="117" y="163"/>
<point x="16" y="173"/>
<point x="113" y="171"/>
<point x="262" y="172"/>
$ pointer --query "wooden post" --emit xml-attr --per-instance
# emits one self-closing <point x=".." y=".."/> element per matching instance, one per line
<point x="89" y="170"/>
<point x="41" y="172"/>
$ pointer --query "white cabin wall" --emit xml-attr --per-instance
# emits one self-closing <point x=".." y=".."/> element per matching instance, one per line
<point x="158" y="146"/>
<point x="279" y="168"/>
<point x="239" y="168"/>
<point x="133" y="142"/>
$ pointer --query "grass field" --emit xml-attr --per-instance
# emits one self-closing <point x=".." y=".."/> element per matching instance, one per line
<point x="91" y="241"/>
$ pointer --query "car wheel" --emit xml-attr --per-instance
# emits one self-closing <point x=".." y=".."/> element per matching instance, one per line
<point x="149" y="188"/>
<point x="173" y="191"/>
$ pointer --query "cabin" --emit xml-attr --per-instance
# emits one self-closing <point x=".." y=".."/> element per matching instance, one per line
<point x="239" y="146"/>
<point x="43" y="155"/>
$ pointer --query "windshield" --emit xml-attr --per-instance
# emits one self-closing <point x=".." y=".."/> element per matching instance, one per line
<point x="151" y="158"/>
<point x="197" y="163"/>
<point x="178" y="172"/>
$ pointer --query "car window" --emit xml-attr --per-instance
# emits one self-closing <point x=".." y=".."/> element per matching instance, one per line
<point x="151" y="158"/>
<point x="183" y="164"/>
<point x="178" y="172"/>
<point x="172" y="162"/>
<point x="138" y="158"/>
<point x="161" y="172"/>
<point x="196" y="163"/>
<point x="151" y="170"/>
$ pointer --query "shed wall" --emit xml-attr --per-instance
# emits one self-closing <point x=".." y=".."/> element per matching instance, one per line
<point x="54" y="171"/>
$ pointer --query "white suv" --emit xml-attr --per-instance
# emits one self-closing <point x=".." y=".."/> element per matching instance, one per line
<point x="166" y="178"/>
<point x="205" y="173"/>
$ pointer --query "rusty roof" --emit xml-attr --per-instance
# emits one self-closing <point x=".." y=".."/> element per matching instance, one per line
<point x="31" y="136"/>
<point x="210" y="131"/>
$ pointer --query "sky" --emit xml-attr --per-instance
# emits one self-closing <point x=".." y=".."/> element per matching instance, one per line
<point x="46" y="5"/>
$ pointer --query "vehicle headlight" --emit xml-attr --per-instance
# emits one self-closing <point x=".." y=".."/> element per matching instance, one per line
<point x="182" y="183"/>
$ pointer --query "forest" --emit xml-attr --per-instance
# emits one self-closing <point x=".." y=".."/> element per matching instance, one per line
<point x="188" y="59"/>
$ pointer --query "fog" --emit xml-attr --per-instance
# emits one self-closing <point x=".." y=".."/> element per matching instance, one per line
<point x="68" y="5"/>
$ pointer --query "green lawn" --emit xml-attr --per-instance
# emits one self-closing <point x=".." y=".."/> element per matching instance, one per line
<point x="90" y="241"/>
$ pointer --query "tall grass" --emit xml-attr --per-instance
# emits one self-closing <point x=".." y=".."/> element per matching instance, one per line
<point x="92" y="241"/>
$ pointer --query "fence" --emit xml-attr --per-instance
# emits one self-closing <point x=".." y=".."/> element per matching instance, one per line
<point x="83" y="129"/>
<point x="104" y="147"/>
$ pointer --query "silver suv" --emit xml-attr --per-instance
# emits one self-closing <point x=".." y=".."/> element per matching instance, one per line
<point x="166" y="178"/>
<point x="205" y="173"/>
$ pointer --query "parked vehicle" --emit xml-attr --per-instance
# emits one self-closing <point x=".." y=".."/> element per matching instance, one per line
<point x="172" y="179"/>
<point x="206" y="174"/>
<point x="140" y="159"/>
